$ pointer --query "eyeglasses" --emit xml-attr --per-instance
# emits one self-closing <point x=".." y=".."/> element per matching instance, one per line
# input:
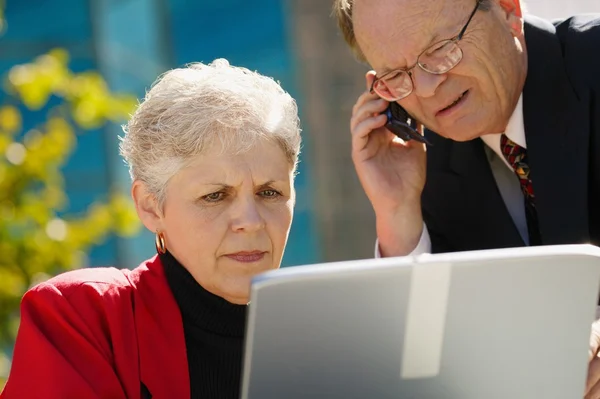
<point x="437" y="59"/>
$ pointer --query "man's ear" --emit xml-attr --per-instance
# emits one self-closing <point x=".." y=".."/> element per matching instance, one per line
<point x="147" y="206"/>
<point x="513" y="13"/>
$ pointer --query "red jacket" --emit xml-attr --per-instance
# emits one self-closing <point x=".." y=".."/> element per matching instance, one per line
<point x="100" y="333"/>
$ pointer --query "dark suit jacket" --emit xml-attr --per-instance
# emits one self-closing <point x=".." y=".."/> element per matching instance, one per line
<point x="462" y="206"/>
<point x="100" y="333"/>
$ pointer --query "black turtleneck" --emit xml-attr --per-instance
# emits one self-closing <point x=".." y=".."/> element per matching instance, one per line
<point x="214" y="334"/>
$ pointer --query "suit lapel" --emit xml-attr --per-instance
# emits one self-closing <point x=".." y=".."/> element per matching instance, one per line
<point x="490" y="223"/>
<point x="461" y="199"/>
<point x="557" y="129"/>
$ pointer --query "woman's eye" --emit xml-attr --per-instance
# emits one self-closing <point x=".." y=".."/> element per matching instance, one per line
<point x="270" y="193"/>
<point x="214" y="197"/>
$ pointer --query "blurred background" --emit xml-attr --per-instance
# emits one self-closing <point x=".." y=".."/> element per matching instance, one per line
<point x="73" y="71"/>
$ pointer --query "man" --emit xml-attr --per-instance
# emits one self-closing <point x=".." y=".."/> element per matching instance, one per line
<point x="515" y="106"/>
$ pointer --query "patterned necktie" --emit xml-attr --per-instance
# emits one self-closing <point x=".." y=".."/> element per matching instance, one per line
<point x="516" y="156"/>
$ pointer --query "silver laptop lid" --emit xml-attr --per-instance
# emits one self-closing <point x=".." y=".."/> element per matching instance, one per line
<point x="511" y="323"/>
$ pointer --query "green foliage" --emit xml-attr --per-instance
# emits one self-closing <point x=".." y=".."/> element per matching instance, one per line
<point x="37" y="240"/>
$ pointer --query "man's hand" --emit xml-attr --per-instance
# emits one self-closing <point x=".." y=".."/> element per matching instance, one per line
<point x="592" y="388"/>
<point x="391" y="172"/>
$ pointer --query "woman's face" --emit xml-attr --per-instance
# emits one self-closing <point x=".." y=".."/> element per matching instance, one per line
<point x="227" y="217"/>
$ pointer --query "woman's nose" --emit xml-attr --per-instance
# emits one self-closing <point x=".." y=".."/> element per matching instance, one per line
<point x="247" y="216"/>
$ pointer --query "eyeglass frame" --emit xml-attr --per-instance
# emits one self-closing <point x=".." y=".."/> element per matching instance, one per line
<point x="454" y="39"/>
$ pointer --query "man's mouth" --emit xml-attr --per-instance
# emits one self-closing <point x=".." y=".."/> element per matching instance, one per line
<point x="458" y="100"/>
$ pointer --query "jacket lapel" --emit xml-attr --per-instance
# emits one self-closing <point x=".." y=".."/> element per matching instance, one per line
<point x="477" y="218"/>
<point x="490" y="220"/>
<point x="557" y="134"/>
<point x="162" y="350"/>
<point x="145" y="392"/>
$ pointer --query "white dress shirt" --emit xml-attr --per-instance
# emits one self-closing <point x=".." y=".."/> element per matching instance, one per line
<point x="506" y="180"/>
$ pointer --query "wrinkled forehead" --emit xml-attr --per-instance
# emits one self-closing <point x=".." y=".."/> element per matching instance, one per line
<point x="392" y="33"/>
<point x="262" y="161"/>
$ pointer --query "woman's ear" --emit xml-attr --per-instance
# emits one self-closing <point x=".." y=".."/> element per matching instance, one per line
<point x="147" y="206"/>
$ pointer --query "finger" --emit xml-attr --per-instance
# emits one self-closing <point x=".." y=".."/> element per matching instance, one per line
<point x="366" y="126"/>
<point x="594" y="392"/>
<point x="594" y="339"/>
<point x="369" y="78"/>
<point x="368" y="110"/>
<point x="366" y="96"/>
<point x="593" y="378"/>
<point x="360" y="135"/>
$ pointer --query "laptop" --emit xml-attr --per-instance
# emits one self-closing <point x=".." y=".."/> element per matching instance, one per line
<point x="509" y="323"/>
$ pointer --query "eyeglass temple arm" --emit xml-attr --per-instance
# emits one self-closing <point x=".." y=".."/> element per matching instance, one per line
<point x="464" y="29"/>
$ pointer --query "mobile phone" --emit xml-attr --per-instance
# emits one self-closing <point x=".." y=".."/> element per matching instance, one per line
<point x="402" y="124"/>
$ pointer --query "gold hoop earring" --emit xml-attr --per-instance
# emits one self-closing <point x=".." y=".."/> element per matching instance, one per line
<point x="161" y="247"/>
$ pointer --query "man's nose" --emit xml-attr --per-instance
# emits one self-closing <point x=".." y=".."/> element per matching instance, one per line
<point x="425" y="83"/>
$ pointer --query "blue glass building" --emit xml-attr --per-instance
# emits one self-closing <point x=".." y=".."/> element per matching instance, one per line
<point x="131" y="42"/>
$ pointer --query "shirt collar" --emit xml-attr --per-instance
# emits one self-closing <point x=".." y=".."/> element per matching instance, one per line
<point x="515" y="130"/>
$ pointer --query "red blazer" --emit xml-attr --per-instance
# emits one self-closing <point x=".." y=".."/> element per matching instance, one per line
<point x="100" y="333"/>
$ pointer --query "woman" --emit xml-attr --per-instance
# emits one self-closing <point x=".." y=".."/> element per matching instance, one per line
<point x="212" y="152"/>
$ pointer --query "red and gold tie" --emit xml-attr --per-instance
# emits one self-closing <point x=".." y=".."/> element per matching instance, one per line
<point x="516" y="156"/>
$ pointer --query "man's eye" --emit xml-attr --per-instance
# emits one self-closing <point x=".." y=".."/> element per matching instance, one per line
<point x="393" y="76"/>
<point x="439" y="49"/>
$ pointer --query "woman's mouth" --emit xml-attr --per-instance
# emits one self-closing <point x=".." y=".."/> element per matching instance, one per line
<point x="247" y="256"/>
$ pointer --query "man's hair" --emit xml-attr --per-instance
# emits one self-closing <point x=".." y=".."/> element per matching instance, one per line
<point x="342" y="10"/>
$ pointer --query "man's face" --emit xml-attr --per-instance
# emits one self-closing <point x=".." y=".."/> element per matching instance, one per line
<point x="474" y="98"/>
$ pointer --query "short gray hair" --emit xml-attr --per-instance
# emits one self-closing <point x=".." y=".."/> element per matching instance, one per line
<point x="189" y="109"/>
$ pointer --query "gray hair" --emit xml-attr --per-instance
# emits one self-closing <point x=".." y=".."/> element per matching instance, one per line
<point x="189" y="109"/>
